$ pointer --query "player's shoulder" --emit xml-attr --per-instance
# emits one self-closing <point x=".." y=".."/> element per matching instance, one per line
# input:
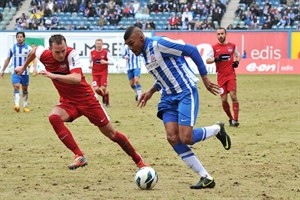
<point x="231" y="44"/>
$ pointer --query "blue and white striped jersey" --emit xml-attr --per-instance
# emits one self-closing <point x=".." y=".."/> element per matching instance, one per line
<point x="134" y="61"/>
<point x="19" y="54"/>
<point x="164" y="59"/>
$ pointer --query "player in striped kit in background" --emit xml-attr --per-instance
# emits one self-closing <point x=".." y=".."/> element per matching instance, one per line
<point x="19" y="53"/>
<point x="178" y="106"/>
<point x="133" y="64"/>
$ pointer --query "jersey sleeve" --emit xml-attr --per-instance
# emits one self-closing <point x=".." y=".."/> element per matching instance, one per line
<point x="73" y="60"/>
<point x="110" y="59"/>
<point x="39" y="51"/>
<point x="210" y="53"/>
<point x="10" y="52"/>
<point x="90" y="57"/>
<point x="171" y="47"/>
<point x="236" y="51"/>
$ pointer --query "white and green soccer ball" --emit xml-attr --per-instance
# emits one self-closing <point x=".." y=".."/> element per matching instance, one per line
<point x="146" y="178"/>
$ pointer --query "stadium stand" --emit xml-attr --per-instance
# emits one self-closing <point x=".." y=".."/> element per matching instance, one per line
<point x="157" y="15"/>
<point x="8" y="9"/>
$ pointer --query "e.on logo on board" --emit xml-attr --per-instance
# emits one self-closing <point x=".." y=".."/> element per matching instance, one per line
<point x="281" y="66"/>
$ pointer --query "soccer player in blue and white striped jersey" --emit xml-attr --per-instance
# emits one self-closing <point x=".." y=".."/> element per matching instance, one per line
<point x="19" y="52"/>
<point x="178" y="106"/>
<point x="133" y="64"/>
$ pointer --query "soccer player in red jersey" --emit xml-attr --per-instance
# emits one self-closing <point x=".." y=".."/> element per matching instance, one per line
<point x="77" y="98"/>
<point x="99" y="60"/>
<point x="226" y="57"/>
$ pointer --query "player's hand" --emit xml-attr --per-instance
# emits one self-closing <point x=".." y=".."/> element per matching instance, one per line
<point x="47" y="74"/>
<point x="91" y="67"/>
<point x="19" y="70"/>
<point x="210" y="86"/>
<point x="235" y="64"/>
<point x="144" y="98"/>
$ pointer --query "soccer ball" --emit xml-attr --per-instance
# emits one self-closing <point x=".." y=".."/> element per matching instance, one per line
<point x="146" y="178"/>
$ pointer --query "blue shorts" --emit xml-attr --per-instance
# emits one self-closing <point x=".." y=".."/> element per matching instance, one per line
<point x="183" y="107"/>
<point x="134" y="73"/>
<point x="20" y="79"/>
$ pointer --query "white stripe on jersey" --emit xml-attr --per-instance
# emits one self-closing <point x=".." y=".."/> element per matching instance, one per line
<point x="164" y="60"/>
<point x="19" y="55"/>
<point x="74" y="61"/>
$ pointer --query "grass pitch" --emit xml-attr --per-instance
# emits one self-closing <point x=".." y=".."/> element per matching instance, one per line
<point x="262" y="164"/>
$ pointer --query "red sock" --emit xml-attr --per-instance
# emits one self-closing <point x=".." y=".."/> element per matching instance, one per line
<point x="64" y="134"/>
<point x="236" y="111"/>
<point x="127" y="147"/>
<point x="106" y="98"/>
<point x="226" y="108"/>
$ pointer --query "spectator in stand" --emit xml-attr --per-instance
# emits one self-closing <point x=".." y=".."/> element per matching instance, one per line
<point x="138" y="24"/>
<point x="54" y="20"/>
<point x="186" y="17"/>
<point x="230" y="27"/>
<point x="136" y="6"/>
<point x="216" y="16"/>
<point x="56" y="7"/>
<point x="266" y="26"/>
<point x="173" y="22"/>
<point x="102" y="21"/>
<point x="89" y="11"/>
<point x="47" y="11"/>
<point x="152" y="24"/>
<point x="1" y="16"/>
<point x="73" y="6"/>
<point x="126" y="11"/>
<point x="41" y="27"/>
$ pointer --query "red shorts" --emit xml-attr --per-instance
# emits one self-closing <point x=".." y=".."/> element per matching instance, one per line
<point x="91" y="109"/>
<point x="100" y="80"/>
<point x="227" y="86"/>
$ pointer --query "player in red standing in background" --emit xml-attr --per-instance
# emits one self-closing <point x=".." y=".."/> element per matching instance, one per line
<point x="99" y="60"/>
<point x="76" y="98"/>
<point x="226" y="57"/>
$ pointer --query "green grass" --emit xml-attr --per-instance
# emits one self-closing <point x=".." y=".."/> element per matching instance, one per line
<point x="262" y="164"/>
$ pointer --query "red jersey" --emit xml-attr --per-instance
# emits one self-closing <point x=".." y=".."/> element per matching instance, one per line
<point x="67" y="92"/>
<point x="96" y="57"/>
<point x="224" y="69"/>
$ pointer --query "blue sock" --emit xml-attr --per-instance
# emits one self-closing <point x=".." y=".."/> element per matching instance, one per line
<point x="138" y="86"/>
<point x="183" y="150"/>
<point x="199" y="134"/>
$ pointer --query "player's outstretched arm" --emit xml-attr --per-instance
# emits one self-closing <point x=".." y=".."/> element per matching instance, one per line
<point x="146" y="96"/>
<point x="210" y="86"/>
<point x="31" y="56"/>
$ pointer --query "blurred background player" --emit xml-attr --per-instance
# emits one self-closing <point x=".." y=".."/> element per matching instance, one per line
<point x="77" y="98"/>
<point x="99" y="60"/>
<point x="19" y="53"/>
<point x="226" y="57"/>
<point x="133" y="64"/>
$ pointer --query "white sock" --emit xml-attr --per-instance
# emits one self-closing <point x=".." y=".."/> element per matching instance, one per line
<point x="212" y="130"/>
<point x="194" y="163"/>
<point x="17" y="99"/>
<point x="139" y="92"/>
<point x="25" y="97"/>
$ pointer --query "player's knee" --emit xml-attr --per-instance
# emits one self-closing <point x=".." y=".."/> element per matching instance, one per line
<point x="172" y="139"/>
<point x="54" y="119"/>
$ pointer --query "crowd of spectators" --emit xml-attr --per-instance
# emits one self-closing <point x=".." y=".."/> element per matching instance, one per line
<point x="275" y="14"/>
<point x="189" y="14"/>
<point x="9" y="4"/>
